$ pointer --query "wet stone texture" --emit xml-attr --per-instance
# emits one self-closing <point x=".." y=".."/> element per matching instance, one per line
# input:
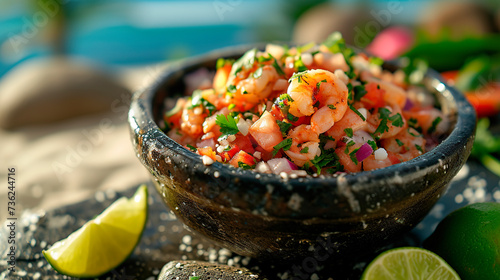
<point x="167" y="240"/>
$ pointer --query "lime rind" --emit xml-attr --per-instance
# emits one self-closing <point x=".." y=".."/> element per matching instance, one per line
<point x="409" y="263"/>
<point x="105" y="226"/>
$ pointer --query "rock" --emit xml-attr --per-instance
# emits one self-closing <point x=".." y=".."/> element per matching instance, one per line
<point x="54" y="89"/>
<point x="204" y="270"/>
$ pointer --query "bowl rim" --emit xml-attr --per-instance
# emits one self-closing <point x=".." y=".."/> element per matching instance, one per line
<point x="461" y="135"/>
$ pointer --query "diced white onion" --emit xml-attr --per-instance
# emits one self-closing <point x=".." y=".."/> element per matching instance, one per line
<point x="207" y="160"/>
<point x="243" y="126"/>
<point x="257" y="155"/>
<point x="363" y="112"/>
<point x="380" y="154"/>
<point x="263" y="167"/>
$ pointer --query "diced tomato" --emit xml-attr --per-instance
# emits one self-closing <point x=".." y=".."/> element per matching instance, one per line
<point x="265" y="155"/>
<point x="266" y="132"/>
<point x="302" y="120"/>
<point x="242" y="158"/>
<point x="244" y="143"/>
<point x="486" y="100"/>
<point x="207" y="151"/>
<point x="277" y="113"/>
<point x="374" y="97"/>
<point x="393" y="158"/>
<point x="228" y="155"/>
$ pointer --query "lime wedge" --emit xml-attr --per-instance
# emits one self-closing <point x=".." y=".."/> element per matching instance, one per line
<point x="104" y="242"/>
<point x="409" y="263"/>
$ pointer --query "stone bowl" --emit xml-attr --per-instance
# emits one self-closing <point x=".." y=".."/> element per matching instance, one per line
<point x="269" y="217"/>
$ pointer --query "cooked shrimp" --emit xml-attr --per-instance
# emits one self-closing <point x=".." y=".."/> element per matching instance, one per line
<point x="312" y="86"/>
<point x="256" y="86"/>
<point x="192" y="121"/>
<point x="407" y="144"/>
<point x="350" y="120"/>
<point x="305" y="145"/>
<point x="330" y="61"/>
<point x="374" y="121"/>
<point x="394" y="95"/>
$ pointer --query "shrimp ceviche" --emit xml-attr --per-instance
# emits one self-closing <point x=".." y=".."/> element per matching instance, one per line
<point x="312" y="109"/>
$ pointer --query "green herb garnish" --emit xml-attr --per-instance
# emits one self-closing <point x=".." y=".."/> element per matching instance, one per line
<point x="245" y="166"/>
<point x="285" y="145"/>
<point x="348" y="131"/>
<point x="192" y="148"/>
<point x="245" y="62"/>
<point x="227" y="124"/>
<point x="385" y="117"/>
<point x="357" y="112"/>
<point x="305" y="150"/>
<point x="284" y="126"/>
<point x="400" y="143"/>
<point x="434" y="124"/>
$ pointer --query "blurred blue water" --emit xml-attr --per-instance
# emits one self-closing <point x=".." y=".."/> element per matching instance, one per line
<point x="135" y="32"/>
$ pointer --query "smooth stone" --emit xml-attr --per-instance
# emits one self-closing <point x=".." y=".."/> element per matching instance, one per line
<point x="47" y="90"/>
<point x="204" y="270"/>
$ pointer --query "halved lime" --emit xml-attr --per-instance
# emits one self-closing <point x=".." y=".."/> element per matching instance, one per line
<point x="104" y="242"/>
<point x="409" y="263"/>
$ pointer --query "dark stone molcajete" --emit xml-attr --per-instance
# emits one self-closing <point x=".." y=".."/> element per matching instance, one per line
<point x="270" y="217"/>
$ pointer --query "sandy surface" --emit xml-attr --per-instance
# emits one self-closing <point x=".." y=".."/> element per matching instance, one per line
<point x="65" y="161"/>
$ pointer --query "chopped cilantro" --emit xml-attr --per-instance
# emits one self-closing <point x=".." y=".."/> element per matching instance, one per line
<point x="332" y="107"/>
<point x="245" y="166"/>
<point x="434" y="124"/>
<point x="261" y="59"/>
<point x="397" y="120"/>
<point x="231" y="88"/>
<point x="257" y="73"/>
<point x="357" y="112"/>
<point x="323" y="138"/>
<point x="285" y="145"/>
<point x="292" y="118"/>
<point x="359" y="92"/>
<point x="319" y="83"/>
<point x="316" y="105"/>
<point x="304" y="150"/>
<point x="400" y="143"/>
<point x="197" y="100"/>
<point x="298" y="76"/>
<point x="419" y="148"/>
<point x="245" y="62"/>
<point x="336" y="44"/>
<point x="372" y="144"/>
<point x="283" y="101"/>
<point x="299" y="65"/>
<point x="327" y="159"/>
<point x="227" y="124"/>
<point x="352" y="155"/>
<point x="192" y="148"/>
<point x="284" y="127"/>
<point x="413" y="134"/>
<point x="385" y="117"/>
<point x="278" y="67"/>
<point x="231" y="106"/>
<point x="348" y="131"/>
